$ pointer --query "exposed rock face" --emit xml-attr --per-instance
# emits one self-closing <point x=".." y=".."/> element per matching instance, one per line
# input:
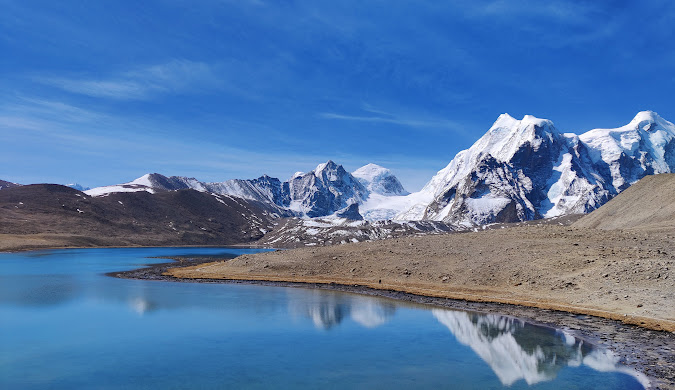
<point x="263" y="189"/>
<point x="525" y="169"/>
<point x="350" y="212"/>
<point x="324" y="190"/>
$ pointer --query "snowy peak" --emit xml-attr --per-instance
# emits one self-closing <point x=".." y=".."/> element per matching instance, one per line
<point x="143" y="183"/>
<point x="526" y="169"/>
<point x="328" y="165"/>
<point x="649" y="121"/>
<point x="644" y="146"/>
<point x="324" y="190"/>
<point x="379" y="180"/>
<point x="508" y="134"/>
<point x="150" y="182"/>
<point x="330" y="171"/>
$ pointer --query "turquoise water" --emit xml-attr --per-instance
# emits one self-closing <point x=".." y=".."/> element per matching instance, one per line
<point x="65" y="325"/>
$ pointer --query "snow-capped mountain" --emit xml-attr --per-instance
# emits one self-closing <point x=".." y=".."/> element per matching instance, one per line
<point x="321" y="192"/>
<point x="325" y="190"/>
<point x="643" y="147"/>
<point x="151" y="182"/>
<point x="526" y="169"/>
<point x="379" y="180"/>
<point x="519" y="170"/>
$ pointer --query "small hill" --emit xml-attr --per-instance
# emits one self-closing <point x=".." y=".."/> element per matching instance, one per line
<point x="7" y="184"/>
<point x="648" y="204"/>
<point x="184" y="217"/>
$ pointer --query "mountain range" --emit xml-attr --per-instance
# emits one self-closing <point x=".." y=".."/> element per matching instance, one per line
<point x="519" y="170"/>
<point x="324" y="191"/>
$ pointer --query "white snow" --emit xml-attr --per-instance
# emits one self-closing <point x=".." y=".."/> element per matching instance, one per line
<point x="143" y="183"/>
<point x="486" y="206"/>
<point x="103" y="191"/>
<point x="317" y="223"/>
<point x="370" y="172"/>
<point x="647" y="129"/>
<point x="382" y="207"/>
<point x="379" y="180"/>
<point x="320" y="168"/>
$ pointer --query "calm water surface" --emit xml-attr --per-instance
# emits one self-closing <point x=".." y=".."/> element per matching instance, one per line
<point x="65" y="325"/>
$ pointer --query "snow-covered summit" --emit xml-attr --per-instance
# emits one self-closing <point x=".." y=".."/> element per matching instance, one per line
<point x="526" y="169"/>
<point x="642" y="147"/>
<point x="324" y="190"/>
<point x="379" y="180"/>
<point x="529" y="141"/>
<point x="150" y="182"/>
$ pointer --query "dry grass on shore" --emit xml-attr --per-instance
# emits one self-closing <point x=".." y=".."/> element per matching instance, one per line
<point x="623" y="275"/>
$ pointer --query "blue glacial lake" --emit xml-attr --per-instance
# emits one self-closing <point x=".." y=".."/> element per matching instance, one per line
<point x="65" y="325"/>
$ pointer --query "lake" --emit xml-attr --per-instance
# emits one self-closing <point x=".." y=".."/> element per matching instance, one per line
<point x="65" y="325"/>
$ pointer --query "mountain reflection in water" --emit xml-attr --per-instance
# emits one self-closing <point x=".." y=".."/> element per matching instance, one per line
<point x="327" y="309"/>
<point x="517" y="350"/>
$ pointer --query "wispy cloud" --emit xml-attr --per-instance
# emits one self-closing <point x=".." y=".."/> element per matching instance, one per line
<point x="176" y="76"/>
<point x="380" y="116"/>
<point x="64" y="135"/>
<point x="558" y="11"/>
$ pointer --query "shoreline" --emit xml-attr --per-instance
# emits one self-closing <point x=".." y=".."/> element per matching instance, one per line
<point x="46" y="248"/>
<point x="650" y="352"/>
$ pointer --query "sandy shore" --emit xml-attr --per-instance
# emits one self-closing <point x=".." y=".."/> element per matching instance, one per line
<point x="620" y="275"/>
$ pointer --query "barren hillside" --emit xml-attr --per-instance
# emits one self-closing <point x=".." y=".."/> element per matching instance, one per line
<point x="647" y="205"/>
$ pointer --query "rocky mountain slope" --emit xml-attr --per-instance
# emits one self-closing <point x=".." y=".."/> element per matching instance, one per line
<point x="299" y="232"/>
<point x="7" y="184"/>
<point x="183" y="217"/>
<point x="526" y="169"/>
<point x="646" y="205"/>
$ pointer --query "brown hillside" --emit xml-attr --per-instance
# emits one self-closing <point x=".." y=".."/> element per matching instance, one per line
<point x="62" y="216"/>
<point x="647" y="205"/>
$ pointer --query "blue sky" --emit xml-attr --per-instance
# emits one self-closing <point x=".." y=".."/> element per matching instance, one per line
<point x="102" y="92"/>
